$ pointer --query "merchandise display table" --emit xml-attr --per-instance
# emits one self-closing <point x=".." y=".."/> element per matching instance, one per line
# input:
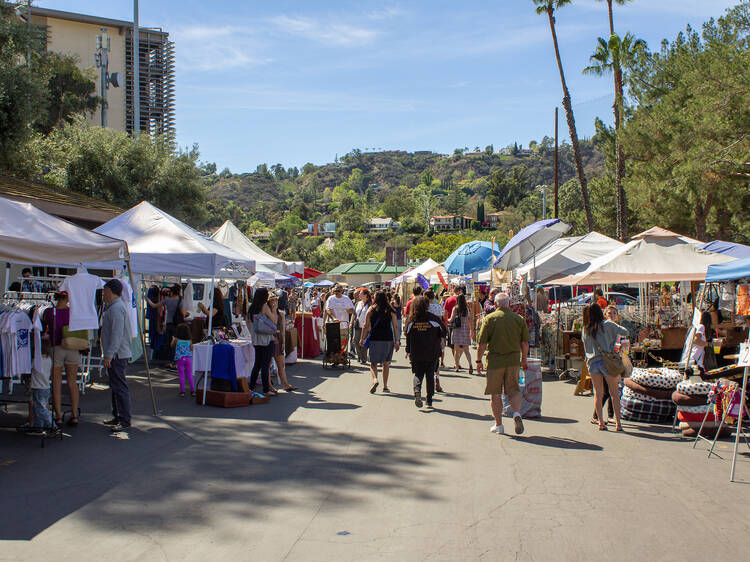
<point x="311" y="335"/>
<point x="244" y="357"/>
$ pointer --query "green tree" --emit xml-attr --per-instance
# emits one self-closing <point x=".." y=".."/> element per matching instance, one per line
<point x="688" y="135"/>
<point x="455" y="202"/>
<point x="549" y="7"/>
<point x="480" y="212"/>
<point x="614" y="56"/>
<point x="508" y="187"/>
<point x="285" y="231"/>
<point x="399" y="204"/>
<point x="426" y="203"/>
<point x="70" y="90"/>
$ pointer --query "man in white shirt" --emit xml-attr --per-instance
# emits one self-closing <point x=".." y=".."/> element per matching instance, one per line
<point x="339" y="307"/>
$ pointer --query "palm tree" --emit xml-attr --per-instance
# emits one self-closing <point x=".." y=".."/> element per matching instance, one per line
<point x="611" y="15"/>
<point x="548" y="7"/>
<point x="622" y="209"/>
<point x="612" y="56"/>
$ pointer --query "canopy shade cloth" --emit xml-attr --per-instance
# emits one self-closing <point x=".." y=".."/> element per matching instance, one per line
<point x="427" y="269"/>
<point x="309" y="273"/>
<point x="739" y="251"/>
<point x="272" y="279"/>
<point x="231" y="237"/>
<point x="730" y="271"/>
<point x="568" y="256"/>
<point x="529" y="241"/>
<point x="645" y="259"/>
<point x="471" y="257"/>
<point x="162" y="245"/>
<point x="31" y="236"/>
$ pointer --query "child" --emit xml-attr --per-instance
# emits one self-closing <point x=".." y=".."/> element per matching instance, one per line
<point x="42" y="419"/>
<point x="183" y="356"/>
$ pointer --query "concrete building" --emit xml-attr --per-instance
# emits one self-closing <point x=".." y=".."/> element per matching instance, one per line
<point x="76" y="34"/>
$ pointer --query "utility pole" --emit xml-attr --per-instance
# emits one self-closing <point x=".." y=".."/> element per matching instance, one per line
<point x="543" y="189"/>
<point x="136" y="72"/>
<point x="557" y="178"/>
<point x="102" y="62"/>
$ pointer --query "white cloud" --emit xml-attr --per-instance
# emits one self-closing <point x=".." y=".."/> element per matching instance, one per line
<point x="217" y="48"/>
<point x="327" y="33"/>
<point x="385" y="13"/>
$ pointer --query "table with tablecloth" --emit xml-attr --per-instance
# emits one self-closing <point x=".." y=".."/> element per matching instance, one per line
<point x="244" y="357"/>
<point x="311" y="337"/>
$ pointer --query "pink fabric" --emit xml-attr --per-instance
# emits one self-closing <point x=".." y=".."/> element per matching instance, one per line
<point x="185" y="371"/>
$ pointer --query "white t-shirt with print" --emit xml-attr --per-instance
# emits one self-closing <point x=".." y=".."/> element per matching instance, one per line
<point x="339" y="306"/>
<point x="128" y="299"/>
<point x="81" y="289"/>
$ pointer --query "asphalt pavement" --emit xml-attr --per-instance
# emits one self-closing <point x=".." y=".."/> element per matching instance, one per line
<point x="332" y="472"/>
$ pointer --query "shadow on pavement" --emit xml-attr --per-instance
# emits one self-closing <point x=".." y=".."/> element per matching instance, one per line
<point x="557" y="442"/>
<point x="551" y="419"/>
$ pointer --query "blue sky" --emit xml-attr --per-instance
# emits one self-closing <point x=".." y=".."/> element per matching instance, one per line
<point x="301" y="81"/>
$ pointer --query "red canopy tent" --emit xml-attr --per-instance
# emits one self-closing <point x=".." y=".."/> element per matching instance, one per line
<point x="309" y="273"/>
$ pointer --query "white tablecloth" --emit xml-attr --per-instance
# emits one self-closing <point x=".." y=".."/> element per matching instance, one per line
<point x="244" y="357"/>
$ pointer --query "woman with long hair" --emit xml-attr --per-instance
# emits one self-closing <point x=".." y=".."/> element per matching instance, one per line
<point x="279" y="344"/>
<point x="262" y="324"/>
<point x="220" y="319"/>
<point x="382" y="327"/>
<point x="600" y="336"/>
<point x="55" y="321"/>
<point x="463" y="332"/>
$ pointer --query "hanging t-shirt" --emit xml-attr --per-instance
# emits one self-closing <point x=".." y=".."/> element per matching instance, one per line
<point x="128" y="299"/>
<point x="19" y="327"/>
<point x="81" y="289"/>
<point x="37" y="327"/>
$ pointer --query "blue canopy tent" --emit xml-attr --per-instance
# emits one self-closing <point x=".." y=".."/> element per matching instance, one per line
<point x="471" y="257"/>
<point x="325" y="283"/>
<point x="530" y="240"/>
<point x="732" y="249"/>
<point x="730" y="271"/>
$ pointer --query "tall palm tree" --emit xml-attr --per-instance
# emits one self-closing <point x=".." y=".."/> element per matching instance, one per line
<point x="610" y="57"/>
<point x="622" y="208"/>
<point x="548" y="7"/>
<point x="611" y="14"/>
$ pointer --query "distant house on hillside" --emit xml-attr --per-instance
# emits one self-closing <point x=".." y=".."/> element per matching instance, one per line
<point x="491" y="219"/>
<point x="326" y="229"/>
<point x="381" y="224"/>
<point x="450" y="222"/>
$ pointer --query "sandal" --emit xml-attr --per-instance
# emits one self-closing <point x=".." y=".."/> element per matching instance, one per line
<point x="73" y="422"/>
<point x="602" y="427"/>
<point x="290" y="388"/>
<point x="594" y="421"/>
<point x="619" y="428"/>
<point x="374" y="387"/>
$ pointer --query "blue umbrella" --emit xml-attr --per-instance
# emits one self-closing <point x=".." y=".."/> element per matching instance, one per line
<point x="308" y="284"/>
<point x="529" y="240"/>
<point x="471" y="257"/>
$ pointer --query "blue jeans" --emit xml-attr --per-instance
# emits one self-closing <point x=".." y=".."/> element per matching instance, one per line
<point x="596" y="366"/>
<point x="40" y="399"/>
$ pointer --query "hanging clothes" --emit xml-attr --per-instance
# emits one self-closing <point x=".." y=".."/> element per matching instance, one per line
<point x="81" y="289"/>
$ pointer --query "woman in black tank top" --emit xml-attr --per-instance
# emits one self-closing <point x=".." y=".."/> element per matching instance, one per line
<point x="381" y="326"/>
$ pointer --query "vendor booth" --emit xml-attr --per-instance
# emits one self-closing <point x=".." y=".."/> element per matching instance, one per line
<point x="31" y="236"/>
<point x="161" y="245"/>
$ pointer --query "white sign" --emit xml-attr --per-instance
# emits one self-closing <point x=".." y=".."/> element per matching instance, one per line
<point x="744" y="360"/>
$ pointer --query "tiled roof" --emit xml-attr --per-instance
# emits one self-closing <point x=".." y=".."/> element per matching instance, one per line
<point x="365" y="268"/>
<point x="57" y="201"/>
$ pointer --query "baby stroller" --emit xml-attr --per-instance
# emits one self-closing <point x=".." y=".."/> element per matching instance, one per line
<point x="337" y="342"/>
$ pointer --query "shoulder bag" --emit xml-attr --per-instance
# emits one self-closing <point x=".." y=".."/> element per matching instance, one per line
<point x="367" y="339"/>
<point x="262" y="324"/>
<point x="613" y="362"/>
<point x="77" y="340"/>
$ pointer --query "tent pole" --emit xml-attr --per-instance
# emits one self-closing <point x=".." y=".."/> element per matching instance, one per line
<point x="207" y="364"/>
<point x="142" y="336"/>
<point x="739" y="420"/>
<point x="302" y="335"/>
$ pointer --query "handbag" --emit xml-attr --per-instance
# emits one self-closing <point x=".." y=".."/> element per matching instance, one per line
<point x="613" y="362"/>
<point x="77" y="340"/>
<point x="262" y="324"/>
<point x="456" y="323"/>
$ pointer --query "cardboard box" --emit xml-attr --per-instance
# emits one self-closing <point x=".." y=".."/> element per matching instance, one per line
<point x="223" y="399"/>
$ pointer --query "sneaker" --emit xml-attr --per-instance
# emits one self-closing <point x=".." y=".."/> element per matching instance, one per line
<point x="519" y="424"/>
<point x="497" y="429"/>
<point x="429" y="402"/>
<point x="418" y="400"/>
<point x="113" y="421"/>
<point x="120" y="427"/>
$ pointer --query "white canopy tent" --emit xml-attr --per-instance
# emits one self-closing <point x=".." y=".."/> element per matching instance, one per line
<point x="429" y="268"/>
<point x="654" y="255"/>
<point x="162" y="245"/>
<point x="231" y="237"/>
<point x="567" y="256"/>
<point x="31" y="236"/>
